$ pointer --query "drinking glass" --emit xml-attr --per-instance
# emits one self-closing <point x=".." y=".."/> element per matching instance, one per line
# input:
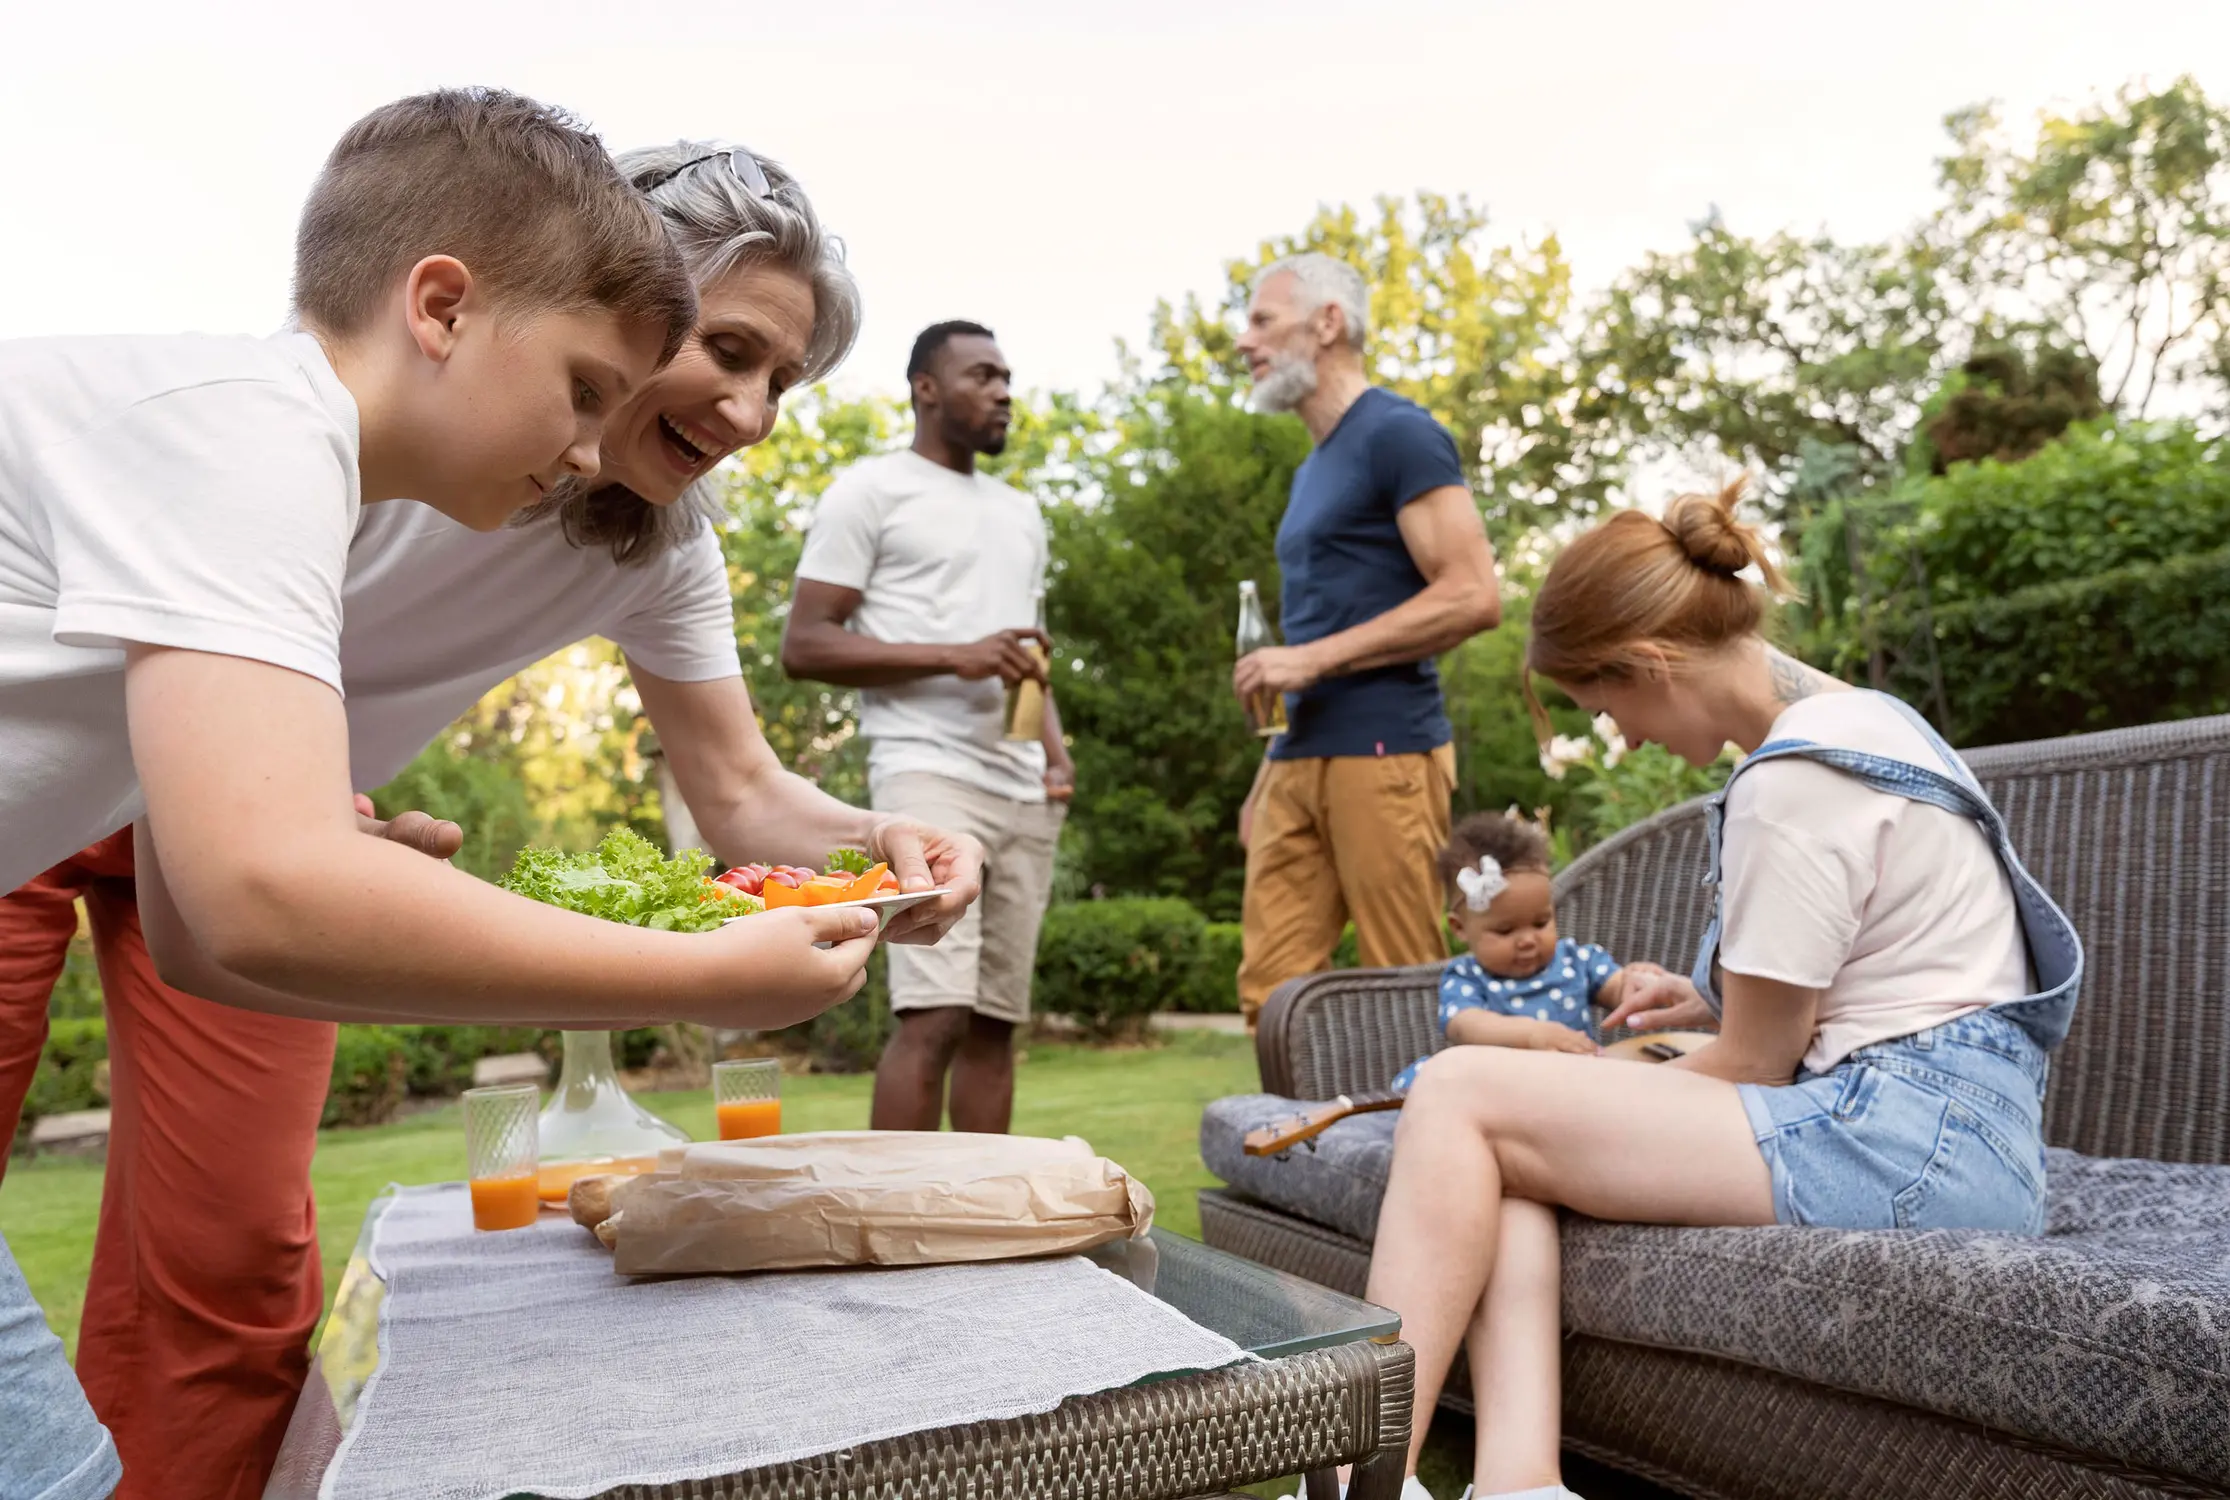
<point x="502" y="1154"/>
<point x="747" y="1097"/>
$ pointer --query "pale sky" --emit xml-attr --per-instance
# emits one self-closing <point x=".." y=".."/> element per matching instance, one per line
<point x="1047" y="168"/>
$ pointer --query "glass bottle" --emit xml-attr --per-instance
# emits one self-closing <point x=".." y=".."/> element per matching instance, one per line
<point x="592" y="1119"/>
<point x="1265" y="709"/>
<point x="1026" y="699"/>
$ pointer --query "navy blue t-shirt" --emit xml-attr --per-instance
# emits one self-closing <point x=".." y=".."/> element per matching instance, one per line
<point x="1342" y="561"/>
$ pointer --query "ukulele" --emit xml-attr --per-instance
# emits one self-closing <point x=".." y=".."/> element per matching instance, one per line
<point x="1312" y="1121"/>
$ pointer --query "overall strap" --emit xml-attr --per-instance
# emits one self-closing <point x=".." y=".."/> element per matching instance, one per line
<point x="2055" y="949"/>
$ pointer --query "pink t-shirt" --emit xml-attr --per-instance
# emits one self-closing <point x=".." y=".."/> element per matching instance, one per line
<point x="1899" y="911"/>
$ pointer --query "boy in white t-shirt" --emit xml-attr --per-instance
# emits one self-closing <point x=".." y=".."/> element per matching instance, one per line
<point x="919" y="585"/>
<point x="191" y="1345"/>
<point x="477" y="286"/>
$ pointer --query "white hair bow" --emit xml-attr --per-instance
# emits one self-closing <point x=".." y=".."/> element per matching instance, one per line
<point x="1482" y="885"/>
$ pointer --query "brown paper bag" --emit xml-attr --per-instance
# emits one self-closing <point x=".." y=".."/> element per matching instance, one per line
<point x="869" y="1198"/>
<point x="849" y="1155"/>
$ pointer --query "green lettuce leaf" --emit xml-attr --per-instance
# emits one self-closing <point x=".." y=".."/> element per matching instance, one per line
<point x="626" y="879"/>
<point x="849" y="862"/>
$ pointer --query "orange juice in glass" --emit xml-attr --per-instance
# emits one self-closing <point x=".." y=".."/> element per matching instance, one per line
<point x="747" y="1098"/>
<point x="502" y="1152"/>
<point x="557" y="1178"/>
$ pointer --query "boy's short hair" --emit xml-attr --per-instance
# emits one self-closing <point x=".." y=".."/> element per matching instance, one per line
<point x="1510" y="842"/>
<point x="518" y="191"/>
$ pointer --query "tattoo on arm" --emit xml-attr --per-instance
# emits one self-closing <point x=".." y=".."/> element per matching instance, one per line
<point x="1792" y="680"/>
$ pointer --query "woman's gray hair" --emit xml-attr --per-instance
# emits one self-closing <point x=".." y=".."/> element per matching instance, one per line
<point x="1323" y="281"/>
<point x="719" y="225"/>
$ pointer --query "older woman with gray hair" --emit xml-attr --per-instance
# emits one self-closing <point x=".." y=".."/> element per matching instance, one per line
<point x="776" y="308"/>
<point x="192" y="1346"/>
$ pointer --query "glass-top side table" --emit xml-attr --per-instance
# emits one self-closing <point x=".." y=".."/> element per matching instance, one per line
<point x="1295" y="1325"/>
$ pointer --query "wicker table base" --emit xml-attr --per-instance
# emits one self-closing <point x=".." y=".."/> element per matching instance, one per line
<point x="1331" y="1386"/>
<point x="1197" y="1435"/>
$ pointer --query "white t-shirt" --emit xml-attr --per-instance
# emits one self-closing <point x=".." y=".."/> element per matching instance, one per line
<point x="1898" y="910"/>
<point x="196" y="492"/>
<point x="439" y="613"/>
<point x="938" y="557"/>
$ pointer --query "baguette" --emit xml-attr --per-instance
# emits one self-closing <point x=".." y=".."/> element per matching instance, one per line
<point x="589" y="1199"/>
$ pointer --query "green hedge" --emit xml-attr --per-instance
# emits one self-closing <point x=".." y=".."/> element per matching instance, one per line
<point x="439" y="1059"/>
<point x="77" y="992"/>
<point x="2105" y="496"/>
<point x="849" y="1038"/>
<point x="371" y="1066"/>
<point x="68" y="1065"/>
<point x="1215" y="972"/>
<point x="2133" y="645"/>
<point x="1108" y="965"/>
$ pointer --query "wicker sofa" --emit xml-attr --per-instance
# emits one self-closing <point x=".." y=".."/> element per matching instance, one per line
<point x="1787" y="1364"/>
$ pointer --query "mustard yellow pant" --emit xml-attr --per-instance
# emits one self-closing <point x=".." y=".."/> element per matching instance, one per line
<point x="1337" y="840"/>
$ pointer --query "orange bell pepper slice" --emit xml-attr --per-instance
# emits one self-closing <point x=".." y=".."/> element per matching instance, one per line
<point x="775" y="894"/>
<point x="867" y="884"/>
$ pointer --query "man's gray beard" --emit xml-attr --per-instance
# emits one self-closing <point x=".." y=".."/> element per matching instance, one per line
<point x="1291" y="381"/>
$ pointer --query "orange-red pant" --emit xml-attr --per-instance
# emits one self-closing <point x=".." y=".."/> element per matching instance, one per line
<point x="205" y="1284"/>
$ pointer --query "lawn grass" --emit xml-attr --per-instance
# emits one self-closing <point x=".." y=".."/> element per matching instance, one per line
<point x="1139" y="1106"/>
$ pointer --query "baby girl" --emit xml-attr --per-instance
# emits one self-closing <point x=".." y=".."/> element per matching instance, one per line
<point x="1520" y="985"/>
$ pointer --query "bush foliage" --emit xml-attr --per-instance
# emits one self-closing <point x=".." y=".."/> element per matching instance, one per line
<point x="370" y="1067"/>
<point x="2137" y="644"/>
<point x="68" y="1066"/>
<point x="1109" y="965"/>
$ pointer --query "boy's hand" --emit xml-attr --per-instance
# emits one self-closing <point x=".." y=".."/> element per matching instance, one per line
<point x="435" y="837"/>
<point x="1655" y="999"/>
<point x="782" y="976"/>
<point x="1547" y="1036"/>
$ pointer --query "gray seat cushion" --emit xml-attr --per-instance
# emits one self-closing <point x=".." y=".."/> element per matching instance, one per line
<point x="2110" y="1334"/>
<point x="1335" y="1180"/>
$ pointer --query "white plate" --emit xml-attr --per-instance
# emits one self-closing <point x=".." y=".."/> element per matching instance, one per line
<point x="885" y="907"/>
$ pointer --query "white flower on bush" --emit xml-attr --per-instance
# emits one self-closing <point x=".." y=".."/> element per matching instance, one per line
<point x="1564" y="751"/>
<point x="1614" y="743"/>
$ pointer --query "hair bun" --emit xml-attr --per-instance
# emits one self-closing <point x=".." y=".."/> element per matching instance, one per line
<point x="1708" y="533"/>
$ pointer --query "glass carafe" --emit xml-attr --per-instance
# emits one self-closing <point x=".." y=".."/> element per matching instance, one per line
<point x="592" y="1118"/>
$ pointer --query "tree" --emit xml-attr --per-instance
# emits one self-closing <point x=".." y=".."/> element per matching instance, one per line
<point x="813" y="727"/>
<point x="2005" y="403"/>
<point x="1476" y="333"/>
<point x="1142" y="608"/>
<point x="2103" y="245"/>
<point x="1769" y="350"/>
<point x="2111" y="228"/>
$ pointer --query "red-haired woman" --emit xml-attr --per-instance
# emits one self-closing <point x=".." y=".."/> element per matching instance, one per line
<point x="1885" y="976"/>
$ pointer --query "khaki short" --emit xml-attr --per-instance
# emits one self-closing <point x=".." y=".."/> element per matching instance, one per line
<point x="985" y="962"/>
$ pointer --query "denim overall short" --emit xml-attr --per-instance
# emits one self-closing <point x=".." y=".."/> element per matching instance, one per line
<point x="1942" y="1129"/>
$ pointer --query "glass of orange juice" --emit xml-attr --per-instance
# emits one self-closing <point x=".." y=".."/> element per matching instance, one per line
<point x="502" y="1152"/>
<point x="747" y="1097"/>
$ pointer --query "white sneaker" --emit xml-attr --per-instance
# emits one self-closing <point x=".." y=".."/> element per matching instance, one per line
<point x="1411" y="1489"/>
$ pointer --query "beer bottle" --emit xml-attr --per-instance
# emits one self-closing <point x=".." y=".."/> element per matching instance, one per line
<point x="1265" y="709"/>
<point x="1026" y="699"/>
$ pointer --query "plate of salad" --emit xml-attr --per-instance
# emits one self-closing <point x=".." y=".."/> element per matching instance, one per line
<point x="625" y="879"/>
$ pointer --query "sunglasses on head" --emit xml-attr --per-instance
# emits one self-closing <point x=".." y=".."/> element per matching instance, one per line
<point x="741" y="164"/>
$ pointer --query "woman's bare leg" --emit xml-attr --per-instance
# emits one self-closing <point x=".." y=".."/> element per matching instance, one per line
<point x="1616" y="1140"/>
<point x="1513" y="1342"/>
